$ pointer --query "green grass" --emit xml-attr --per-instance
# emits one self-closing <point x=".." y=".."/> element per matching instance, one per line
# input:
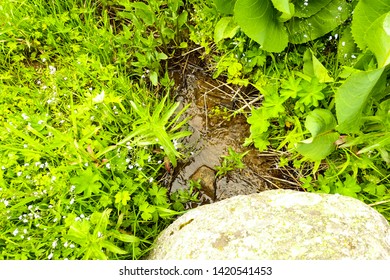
<point x="84" y="132"/>
<point x="89" y="123"/>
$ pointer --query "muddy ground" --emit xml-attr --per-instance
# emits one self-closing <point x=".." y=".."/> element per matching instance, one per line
<point x="213" y="133"/>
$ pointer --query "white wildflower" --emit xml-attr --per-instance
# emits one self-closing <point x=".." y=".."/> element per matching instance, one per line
<point x="99" y="98"/>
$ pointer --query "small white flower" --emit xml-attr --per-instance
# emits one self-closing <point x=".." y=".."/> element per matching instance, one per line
<point x="343" y="44"/>
<point x="339" y="8"/>
<point x="25" y="221"/>
<point x="82" y="216"/>
<point x="40" y="122"/>
<point x="25" y="146"/>
<point x="25" y="117"/>
<point x="15" y="232"/>
<point x="6" y="203"/>
<point x="108" y="165"/>
<point x="19" y="173"/>
<point x="54" y="244"/>
<point x="25" y="231"/>
<point x="86" y="164"/>
<point x="131" y="166"/>
<point x="100" y="235"/>
<point x="52" y="70"/>
<point x="66" y="244"/>
<point x="99" y="98"/>
<point x="50" y="256"/>
<point x="71" y="201"/>
<point x="150" y="180"/>
<point x="71" y="246"/>
<point x="43" y="59"/>
<point x="353" y="56"/>
<point x="72" y="188"/>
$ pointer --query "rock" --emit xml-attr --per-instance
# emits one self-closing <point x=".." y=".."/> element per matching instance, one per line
<point x="277" y="225"/>
<point x="206" y="175"/>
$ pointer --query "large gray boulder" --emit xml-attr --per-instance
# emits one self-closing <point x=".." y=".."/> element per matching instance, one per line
<point x="277" y="225"/>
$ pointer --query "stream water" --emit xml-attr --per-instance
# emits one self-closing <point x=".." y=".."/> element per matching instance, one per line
<point x="212" y="136"/>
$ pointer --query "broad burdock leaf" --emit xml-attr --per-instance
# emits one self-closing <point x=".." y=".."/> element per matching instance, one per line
<point x="305" y="9"/>
<point x="352" y="97"/>
<point x="379" y="42"/>
<point x="364" y="15"/>
<point x="259" y="20"/>
<point x="302" y="30"/>
<point x="225" y="6"/>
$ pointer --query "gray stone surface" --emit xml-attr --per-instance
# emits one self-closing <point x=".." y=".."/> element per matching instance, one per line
<point x="277" y="224"/>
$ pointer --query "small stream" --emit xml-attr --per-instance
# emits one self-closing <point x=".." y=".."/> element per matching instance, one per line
<point x="211" y="137"/>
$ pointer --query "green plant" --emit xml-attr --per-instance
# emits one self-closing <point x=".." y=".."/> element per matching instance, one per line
<point x="230" y="162"/>
<point x="275" y="23"/>
<point x="72" y="186"/>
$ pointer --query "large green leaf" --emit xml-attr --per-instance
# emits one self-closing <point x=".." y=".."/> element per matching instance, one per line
<point x="379" y="42"/>
<point x="308" y="8"/>
<point x="364" y="15"/>
<point x="302" y="30"/>
<point x="259" y="20"/>
<point x="321" y="124"/>
<point x="225" y="6"/>
<point x="352" y="97"/>
<point x="225" y="28"/>
<point x="285" y="7"/>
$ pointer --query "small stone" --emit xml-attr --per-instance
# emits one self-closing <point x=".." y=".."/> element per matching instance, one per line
<point x="206" y="175"/>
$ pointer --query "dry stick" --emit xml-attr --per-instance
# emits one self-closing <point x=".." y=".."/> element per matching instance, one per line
<point x="270" y="182"/>
<point x="250" y="103"/>
<point x="282" y="180"/>
<point x="185" y="66"/>
<point x="237" y="92"/>
<point x="379" y="203"/>
<point x="193" y="50"/>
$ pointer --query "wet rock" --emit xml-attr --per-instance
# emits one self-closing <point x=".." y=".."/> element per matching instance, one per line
<point x="235" y="184"/>
<point x="278" y="224"/>
<point x="206" y="175"/>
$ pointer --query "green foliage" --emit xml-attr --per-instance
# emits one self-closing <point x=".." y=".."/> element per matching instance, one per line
<point x="334" y="82"/>
<point x="275" y="23"/>
<point x="230" y="162"/>
<point x="84" y="109"/>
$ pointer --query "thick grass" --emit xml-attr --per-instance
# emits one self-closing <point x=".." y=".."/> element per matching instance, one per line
<point x="79" y="161"/>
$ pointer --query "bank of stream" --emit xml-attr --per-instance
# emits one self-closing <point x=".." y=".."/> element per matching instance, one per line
<point x="214" y="129"/>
